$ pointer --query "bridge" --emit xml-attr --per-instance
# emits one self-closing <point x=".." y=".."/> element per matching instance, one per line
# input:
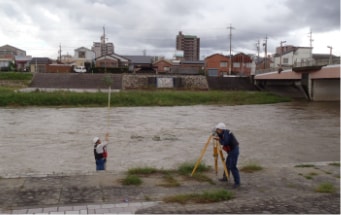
<point x="315" y="83"/>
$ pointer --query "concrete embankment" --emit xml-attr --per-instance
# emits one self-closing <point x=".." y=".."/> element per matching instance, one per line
<point x="276" y="189"/>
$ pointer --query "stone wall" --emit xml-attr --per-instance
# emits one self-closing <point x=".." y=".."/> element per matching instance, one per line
<point x="188" y="82"/>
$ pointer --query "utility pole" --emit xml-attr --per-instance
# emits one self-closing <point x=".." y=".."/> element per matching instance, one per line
<point x="311" y="38"/>
<point x="280" y="57"/>
<point x="60" y="52"/>
<point x="104" y="49"/>
<point x="265" y="44"/>
<point x="330" y="54"/>
<point x="230" y="66"/>
<point x="257" y="45"/>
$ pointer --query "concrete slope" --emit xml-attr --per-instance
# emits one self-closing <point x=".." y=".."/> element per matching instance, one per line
<point x="76" y="81"/>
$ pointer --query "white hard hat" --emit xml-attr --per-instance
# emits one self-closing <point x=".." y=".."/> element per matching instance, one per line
<point x="95" y="140"/>
<point x="221" y="126"/>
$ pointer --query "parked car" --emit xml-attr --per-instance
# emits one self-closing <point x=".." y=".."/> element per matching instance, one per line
<point x="79" y="69"/>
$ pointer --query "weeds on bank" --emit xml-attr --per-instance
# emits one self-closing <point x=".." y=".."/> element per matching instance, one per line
<point x="143" y="171"/>
<point x="325" y="188"/>
<point x="185" y="169"/>
<point x="205" y="197"/>
<point x="334" y="164"/>
<point x="169" y="181"/>
<point x="304" y="166"/>
<point x="250" y="168"/>
<point x="132" y="180"/>
<point x="309" y="176"/>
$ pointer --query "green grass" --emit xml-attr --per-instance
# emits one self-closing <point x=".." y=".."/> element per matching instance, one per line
<point x="325" y="188"/>
<point x="202" y="178"/>
<point x="168" y="176"/>
<point x="205" y="197"/>
<point x="250" y="168"/>
<point x="16" y="76"/>
<point x="9" y="97"/>
<point x="132" y="180"/>
<point x="187" y="168"/>
<point x="169" y="181"/>
<point x="143" y="171"/>
<point x="334" y="164"/>
<point x="304" y="166"/>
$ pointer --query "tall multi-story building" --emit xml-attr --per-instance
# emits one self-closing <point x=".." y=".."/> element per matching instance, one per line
<point x="103" y="48"/>
<point x="190" y="45"/>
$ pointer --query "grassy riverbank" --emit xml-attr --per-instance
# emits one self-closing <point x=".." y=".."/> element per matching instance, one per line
<point x="9" y="97"/>
<point x="137" y="98"/>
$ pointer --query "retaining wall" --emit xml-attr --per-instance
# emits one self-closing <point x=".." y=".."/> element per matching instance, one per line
<point x="190" y="82"/>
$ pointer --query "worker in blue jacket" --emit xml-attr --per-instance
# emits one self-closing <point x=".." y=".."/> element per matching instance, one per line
<point x="231" y="146"/>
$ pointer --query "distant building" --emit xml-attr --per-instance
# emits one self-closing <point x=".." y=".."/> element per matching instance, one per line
<point x="325" y="59"/>
<point x="39" y="64"/>
<point x="289" y="56"/>
<point x="83" y="56"/>
<point x="140" y="63"/>
<point x="190" y="45"/>
<point x="162" y="66"/>
<point x="103" y="48"/>
<point x="112" y="61"/>
<point x="10" y="54"/>
<point x="217" y="65"/>
<point x="242" y="64"/>
<point x="8" y="50"/>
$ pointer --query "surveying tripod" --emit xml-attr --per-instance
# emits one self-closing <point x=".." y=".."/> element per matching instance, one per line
<point x="217" y="151"/>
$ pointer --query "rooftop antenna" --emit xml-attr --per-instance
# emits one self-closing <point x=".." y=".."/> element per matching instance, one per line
<point x="311" y="38"/>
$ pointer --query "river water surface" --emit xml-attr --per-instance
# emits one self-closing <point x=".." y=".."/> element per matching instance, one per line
<point x="38" y="140"/>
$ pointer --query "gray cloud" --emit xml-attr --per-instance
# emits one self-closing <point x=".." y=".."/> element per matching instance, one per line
<point x="133" y="26"/>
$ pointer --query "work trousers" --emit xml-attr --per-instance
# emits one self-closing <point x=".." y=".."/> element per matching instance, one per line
<point x="231" y="164"/>
<point x="100" y="164"/>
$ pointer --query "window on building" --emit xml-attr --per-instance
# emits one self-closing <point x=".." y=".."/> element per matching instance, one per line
<point x="236" y="65"/>
<point x="81" y="54"/>
<point x="166" y="68"/>
<point x="286" y="60"/>
<point x="223" y="64"/>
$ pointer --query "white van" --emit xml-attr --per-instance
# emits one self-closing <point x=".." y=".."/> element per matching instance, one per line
<point x="79" y="69"/>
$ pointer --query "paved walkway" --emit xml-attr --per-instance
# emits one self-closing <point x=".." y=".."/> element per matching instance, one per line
<point x="121" y="208"/>
<point x="285" y="189"/>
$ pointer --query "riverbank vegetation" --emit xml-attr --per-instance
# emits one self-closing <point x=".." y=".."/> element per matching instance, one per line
<point x="10" y="97"/>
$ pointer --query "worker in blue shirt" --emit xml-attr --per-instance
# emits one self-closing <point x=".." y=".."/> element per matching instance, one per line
<point x="231" y="146"/>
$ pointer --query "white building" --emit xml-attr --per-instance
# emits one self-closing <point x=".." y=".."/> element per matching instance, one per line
<point x="83" y="55"/>
<point x="291" y="56"/>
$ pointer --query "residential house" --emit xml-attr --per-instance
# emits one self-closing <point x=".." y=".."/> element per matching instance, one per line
<point x="140" y="63"/>
<point x="217" y="65"/>
<point x="242" y="64"/>
<point x="11" y="50"/>
<point x="291" y="56"/>
<point x="23" y="63"/>
<point x="9" y="54"/>
<point x="84" y="57"/>
<point x="39" y="64"/>
<point x="263" y="63"/>
<point x="162" y="66"/>
<point x="188" y="67"/>
<point x="112" y="61"/>
<point x="67" y="59"/>
<point x="325" y="59"/>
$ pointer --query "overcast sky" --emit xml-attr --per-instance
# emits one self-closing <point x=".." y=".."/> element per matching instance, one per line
<point x="39" y="26"/>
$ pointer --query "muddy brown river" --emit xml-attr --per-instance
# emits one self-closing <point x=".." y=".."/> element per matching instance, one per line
<point x="38" y="141"/>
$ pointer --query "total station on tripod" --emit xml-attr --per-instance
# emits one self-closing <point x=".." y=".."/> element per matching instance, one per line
<point x="217" y="152"/>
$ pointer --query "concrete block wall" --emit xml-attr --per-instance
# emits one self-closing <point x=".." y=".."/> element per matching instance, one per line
<point x="190" y="82"/>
